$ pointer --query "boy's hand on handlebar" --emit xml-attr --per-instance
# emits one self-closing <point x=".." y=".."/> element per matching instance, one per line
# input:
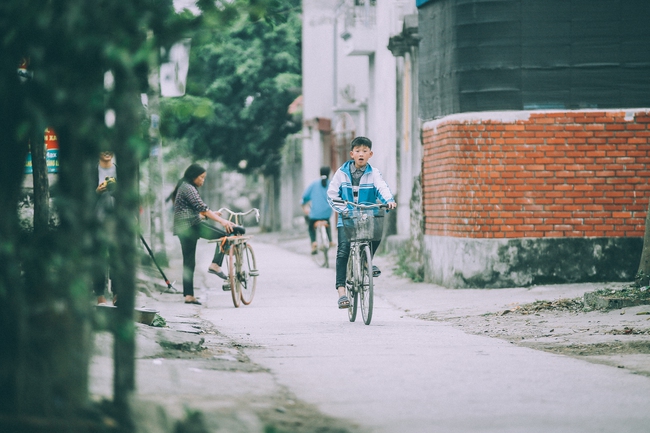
<point x="391" y="205"/>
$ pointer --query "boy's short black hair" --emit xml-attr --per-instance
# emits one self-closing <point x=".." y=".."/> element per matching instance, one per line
<point x="361" y="141"/>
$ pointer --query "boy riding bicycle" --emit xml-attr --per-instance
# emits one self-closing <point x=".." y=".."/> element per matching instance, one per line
<point x="359" y="182"/>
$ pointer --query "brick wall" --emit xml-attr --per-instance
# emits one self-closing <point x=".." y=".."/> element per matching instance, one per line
<point x="537" y="174"/>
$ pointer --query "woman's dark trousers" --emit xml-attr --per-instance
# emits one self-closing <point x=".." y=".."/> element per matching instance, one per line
<point x="204" y="230"/>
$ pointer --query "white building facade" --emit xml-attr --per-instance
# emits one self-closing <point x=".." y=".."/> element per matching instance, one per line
<point x="354" y="85"/>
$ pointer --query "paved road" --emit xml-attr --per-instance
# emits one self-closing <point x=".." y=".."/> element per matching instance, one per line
<point x="401" y="374"/>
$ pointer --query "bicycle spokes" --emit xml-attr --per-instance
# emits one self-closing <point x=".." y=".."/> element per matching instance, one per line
<point x="248" y="274"/>
<point x="366" y="285"/>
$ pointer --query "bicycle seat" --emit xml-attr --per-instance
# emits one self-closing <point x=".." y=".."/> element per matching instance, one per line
<point x="238" y="230"/>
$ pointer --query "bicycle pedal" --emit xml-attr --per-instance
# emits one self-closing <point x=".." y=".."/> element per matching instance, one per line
<point x="225" y="287"/>
<point x="254" y="273"/>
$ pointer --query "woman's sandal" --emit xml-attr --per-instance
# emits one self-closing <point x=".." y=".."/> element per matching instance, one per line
<point x="219" y="274"/>
<point x="344" y="302"/>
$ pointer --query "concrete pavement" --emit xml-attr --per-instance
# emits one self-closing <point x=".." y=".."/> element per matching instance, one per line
<point x="292" y="347"/>
<point x="406" y="375"/>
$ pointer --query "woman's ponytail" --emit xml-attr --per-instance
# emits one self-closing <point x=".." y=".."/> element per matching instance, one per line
<point x="324" y="174"/>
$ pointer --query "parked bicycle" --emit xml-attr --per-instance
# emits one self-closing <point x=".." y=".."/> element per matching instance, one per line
<point x="241" y="264"/>
<point x="322" y="244"/>
<point x="362" y="225"/>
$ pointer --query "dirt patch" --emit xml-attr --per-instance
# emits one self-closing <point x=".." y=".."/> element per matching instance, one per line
<point x="617" y="337"/>
<point x="282" y="414"/>
<point x="563" y="304"/>
<point x="607" y="299"/>
<point x="295" y="416"/>
<point x="614" y="348"/>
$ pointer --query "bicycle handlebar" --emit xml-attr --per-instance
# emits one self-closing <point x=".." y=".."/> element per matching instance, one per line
<point x="257" y="212"/>
<point x="361" y="206"/>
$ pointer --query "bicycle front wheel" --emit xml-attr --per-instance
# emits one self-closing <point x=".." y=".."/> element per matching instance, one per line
<point x="247" y="277"/>
<point x="366" y="288"/>
<point x="350" y="291"/>
<point x="234" y="265"/>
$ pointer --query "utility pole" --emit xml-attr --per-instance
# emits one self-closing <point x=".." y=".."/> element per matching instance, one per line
<point x="165" y="80"/>
<point x="155" y="184"/>
<point x="156" y="178"/>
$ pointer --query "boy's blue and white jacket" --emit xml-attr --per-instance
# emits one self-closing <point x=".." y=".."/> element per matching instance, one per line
<point x="372" y="187"/>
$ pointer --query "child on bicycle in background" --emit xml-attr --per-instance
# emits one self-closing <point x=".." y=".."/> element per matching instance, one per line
<point x="316" y="195"/>
<point x="359" y="182"/>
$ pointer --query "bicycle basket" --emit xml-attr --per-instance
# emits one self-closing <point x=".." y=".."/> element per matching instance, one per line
<point x="363" y="224"/>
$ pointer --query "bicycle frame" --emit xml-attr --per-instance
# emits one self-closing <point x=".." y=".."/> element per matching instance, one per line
<point x="360" y="263"/>
<point x="242" y="267"/>
<point x="323" y="243"/>
<point x="356" y="247"/>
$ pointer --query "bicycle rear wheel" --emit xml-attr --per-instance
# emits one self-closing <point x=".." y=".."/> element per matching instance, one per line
<point x="350" y="291"/>
<point x="234" y="266"/>
<point x="247" y="278"/>
<point x="366" y="287"/>
<point x="322" y="247"/>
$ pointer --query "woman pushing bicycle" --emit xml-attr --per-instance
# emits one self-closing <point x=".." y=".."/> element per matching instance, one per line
<point x="190" y="213"/>
<point x="359" y="182"/>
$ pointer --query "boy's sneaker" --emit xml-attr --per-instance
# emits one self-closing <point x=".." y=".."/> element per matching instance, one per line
<point x="375" y="271"/>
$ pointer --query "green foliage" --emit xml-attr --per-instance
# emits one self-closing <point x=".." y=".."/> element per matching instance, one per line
<point x="159" y="321"/>
<point x="408" y="264"/>
<point x="45" y="277"/>
<point x="241" y="82"/>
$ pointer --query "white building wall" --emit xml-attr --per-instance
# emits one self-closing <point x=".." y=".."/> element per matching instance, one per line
<point x="317" y="78"/>
<point x="383" y="102"/>
<point x="409" y="124"/>
<point x="362" y="85"/>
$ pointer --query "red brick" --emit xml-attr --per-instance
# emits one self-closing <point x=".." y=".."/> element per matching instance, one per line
<point x="517" y="176"/>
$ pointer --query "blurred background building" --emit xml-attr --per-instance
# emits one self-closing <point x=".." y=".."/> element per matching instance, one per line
<point x="514" y="133"/>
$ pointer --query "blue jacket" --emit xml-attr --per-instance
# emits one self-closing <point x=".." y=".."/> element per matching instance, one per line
<point x="372" y="188"/>
<point x="316" y="193"/>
